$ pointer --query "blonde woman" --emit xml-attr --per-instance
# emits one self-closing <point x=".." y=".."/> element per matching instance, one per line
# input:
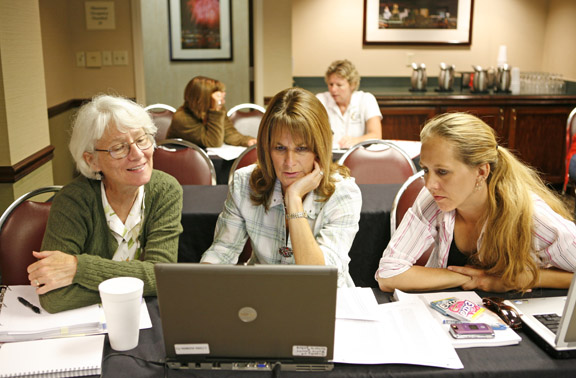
<point x="295" y="204"/>
<point x="354" y="115"/>
<point x="489" y="221"/>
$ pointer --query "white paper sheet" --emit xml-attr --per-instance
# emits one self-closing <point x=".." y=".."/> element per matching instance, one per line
<point x="405" y="333"/>
<point x="226" y="151"/>
<point x="356" y="303"/>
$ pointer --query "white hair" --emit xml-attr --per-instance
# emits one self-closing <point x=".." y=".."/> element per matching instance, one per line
<point x="95" y="117"/>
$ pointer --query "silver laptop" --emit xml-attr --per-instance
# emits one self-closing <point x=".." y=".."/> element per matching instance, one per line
<point x="552" y="320"/>
<point x="259" y="317"/>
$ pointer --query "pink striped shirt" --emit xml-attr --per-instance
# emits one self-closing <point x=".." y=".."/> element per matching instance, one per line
<point x="426" y="227"/>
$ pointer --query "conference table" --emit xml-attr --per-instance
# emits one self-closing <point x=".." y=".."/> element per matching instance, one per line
<point x="203" y="204"/>
<point x="526" y="359"/>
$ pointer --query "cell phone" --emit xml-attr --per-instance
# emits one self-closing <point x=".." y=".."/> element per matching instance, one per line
<point x="471" y="331"/>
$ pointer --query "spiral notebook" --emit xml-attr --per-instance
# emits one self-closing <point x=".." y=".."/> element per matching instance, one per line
<point x="62" y="357"/>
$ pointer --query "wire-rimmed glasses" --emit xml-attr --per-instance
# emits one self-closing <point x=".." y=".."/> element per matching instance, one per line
<point x="121" y="150"/>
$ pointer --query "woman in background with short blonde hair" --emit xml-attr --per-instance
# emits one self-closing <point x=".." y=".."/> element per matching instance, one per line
<point x="354" y="115"/>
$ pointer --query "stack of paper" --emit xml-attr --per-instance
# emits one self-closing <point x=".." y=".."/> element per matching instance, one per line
<point x="20" y="323"/>
<point x="392" y="333"/>
<point x="65" y="357"/>
<point x="503" y="335"/>
<point x="40" y="344"/>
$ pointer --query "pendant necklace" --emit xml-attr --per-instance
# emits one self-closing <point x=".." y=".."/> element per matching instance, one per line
<point x="285" y="251"/>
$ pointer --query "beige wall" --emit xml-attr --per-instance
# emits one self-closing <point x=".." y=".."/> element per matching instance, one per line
<point x="560" y="38"/>
<point x="325" y="30"/>
<point x="64" y="33"/>
<point x="165" y="80"/>
<point x="23" y="118"/>
<point x="293" y="38"/>
<point x="64" y="167"/>
<point x="277" y="45"/>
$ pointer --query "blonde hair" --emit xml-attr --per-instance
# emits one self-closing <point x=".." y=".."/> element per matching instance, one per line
<point x="300" y="113"/>
<point x="198" y="95"/>
<point x="345" y="69"/>
<point x="507" y="245"/>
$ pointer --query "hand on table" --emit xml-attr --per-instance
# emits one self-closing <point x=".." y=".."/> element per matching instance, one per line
<point x="481" y="280"/>
<point x="53" y="270"/>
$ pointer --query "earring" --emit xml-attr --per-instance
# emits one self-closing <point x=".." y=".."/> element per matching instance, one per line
<point x="478" y="184"/>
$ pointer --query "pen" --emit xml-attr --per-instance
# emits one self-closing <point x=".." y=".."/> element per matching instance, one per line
<point x="36" y="309"/>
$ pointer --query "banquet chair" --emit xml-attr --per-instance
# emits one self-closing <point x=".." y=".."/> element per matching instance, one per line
<point x="184" y="160"/>
<point x="382" y="163"/>
<point x="162" y="117"/>
<point x="403" y="201"/>
<point x="22" y="228"/>
<point x="246" y="118"/>
<point x="249" y="156"/>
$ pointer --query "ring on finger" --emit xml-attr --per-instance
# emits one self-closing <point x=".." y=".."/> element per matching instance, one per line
<point x="37" y="283"/>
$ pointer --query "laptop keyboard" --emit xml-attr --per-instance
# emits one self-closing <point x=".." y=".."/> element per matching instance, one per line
<point x="551" y="321"/>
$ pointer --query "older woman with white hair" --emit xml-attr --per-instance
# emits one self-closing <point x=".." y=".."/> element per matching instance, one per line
<point x="118" y="218"/>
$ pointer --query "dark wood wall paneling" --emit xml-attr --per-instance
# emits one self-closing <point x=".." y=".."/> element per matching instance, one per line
<point x="532" y="127"/>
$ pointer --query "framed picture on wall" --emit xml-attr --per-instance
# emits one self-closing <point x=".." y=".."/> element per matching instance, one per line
<point x="200" y="30"/>
<point x="418" y="22"/>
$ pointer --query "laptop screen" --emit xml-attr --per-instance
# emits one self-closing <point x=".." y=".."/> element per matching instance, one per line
<point x="213" y="313"/>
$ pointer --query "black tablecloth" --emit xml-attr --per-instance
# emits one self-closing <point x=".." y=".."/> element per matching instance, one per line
<point x="203" y="204"/>
<point x="524" y="360"/>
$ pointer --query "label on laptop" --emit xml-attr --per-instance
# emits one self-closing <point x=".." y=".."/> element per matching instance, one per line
<point x="309" y="351"/>
<point x="192" y="348"/>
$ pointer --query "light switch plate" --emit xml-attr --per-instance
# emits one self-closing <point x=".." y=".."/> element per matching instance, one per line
<point x="120" y="58"/>
<point x="93" y="59"/>
<point x="80" y="59"/>
<point x="106" y="58"/>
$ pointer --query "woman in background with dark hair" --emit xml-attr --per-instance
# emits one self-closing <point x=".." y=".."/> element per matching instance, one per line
<point x="202" y="118"/>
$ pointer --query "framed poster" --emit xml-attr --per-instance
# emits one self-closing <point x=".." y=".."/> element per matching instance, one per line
<point x="200" y="29"/>
<point x="418" y="22"/>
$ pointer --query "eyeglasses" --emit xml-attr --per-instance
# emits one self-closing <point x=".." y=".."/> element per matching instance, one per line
<point x="121" y="150"/>
<point x="507" y="313"/>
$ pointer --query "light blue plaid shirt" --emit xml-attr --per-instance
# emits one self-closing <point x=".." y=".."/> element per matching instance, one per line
<point x="334" y="224"/>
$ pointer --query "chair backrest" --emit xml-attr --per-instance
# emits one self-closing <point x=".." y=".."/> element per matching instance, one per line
<point x="249" y="156"/>
<point x="184" y="160"/>
<point x="162" y="117"/>
<point x="403" y="201"/>
<point x="381" y="163"/>
<point x="22" y="228"/>
<point x="570" y="132"/>
<point x="246" y="118"/>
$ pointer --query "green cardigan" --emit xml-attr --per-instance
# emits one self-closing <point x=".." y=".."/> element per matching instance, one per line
<point x="218" y="129"/>
<point x="77" y="225"/>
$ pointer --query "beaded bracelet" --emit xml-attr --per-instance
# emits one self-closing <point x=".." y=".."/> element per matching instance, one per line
<point x="296" y="215"/>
